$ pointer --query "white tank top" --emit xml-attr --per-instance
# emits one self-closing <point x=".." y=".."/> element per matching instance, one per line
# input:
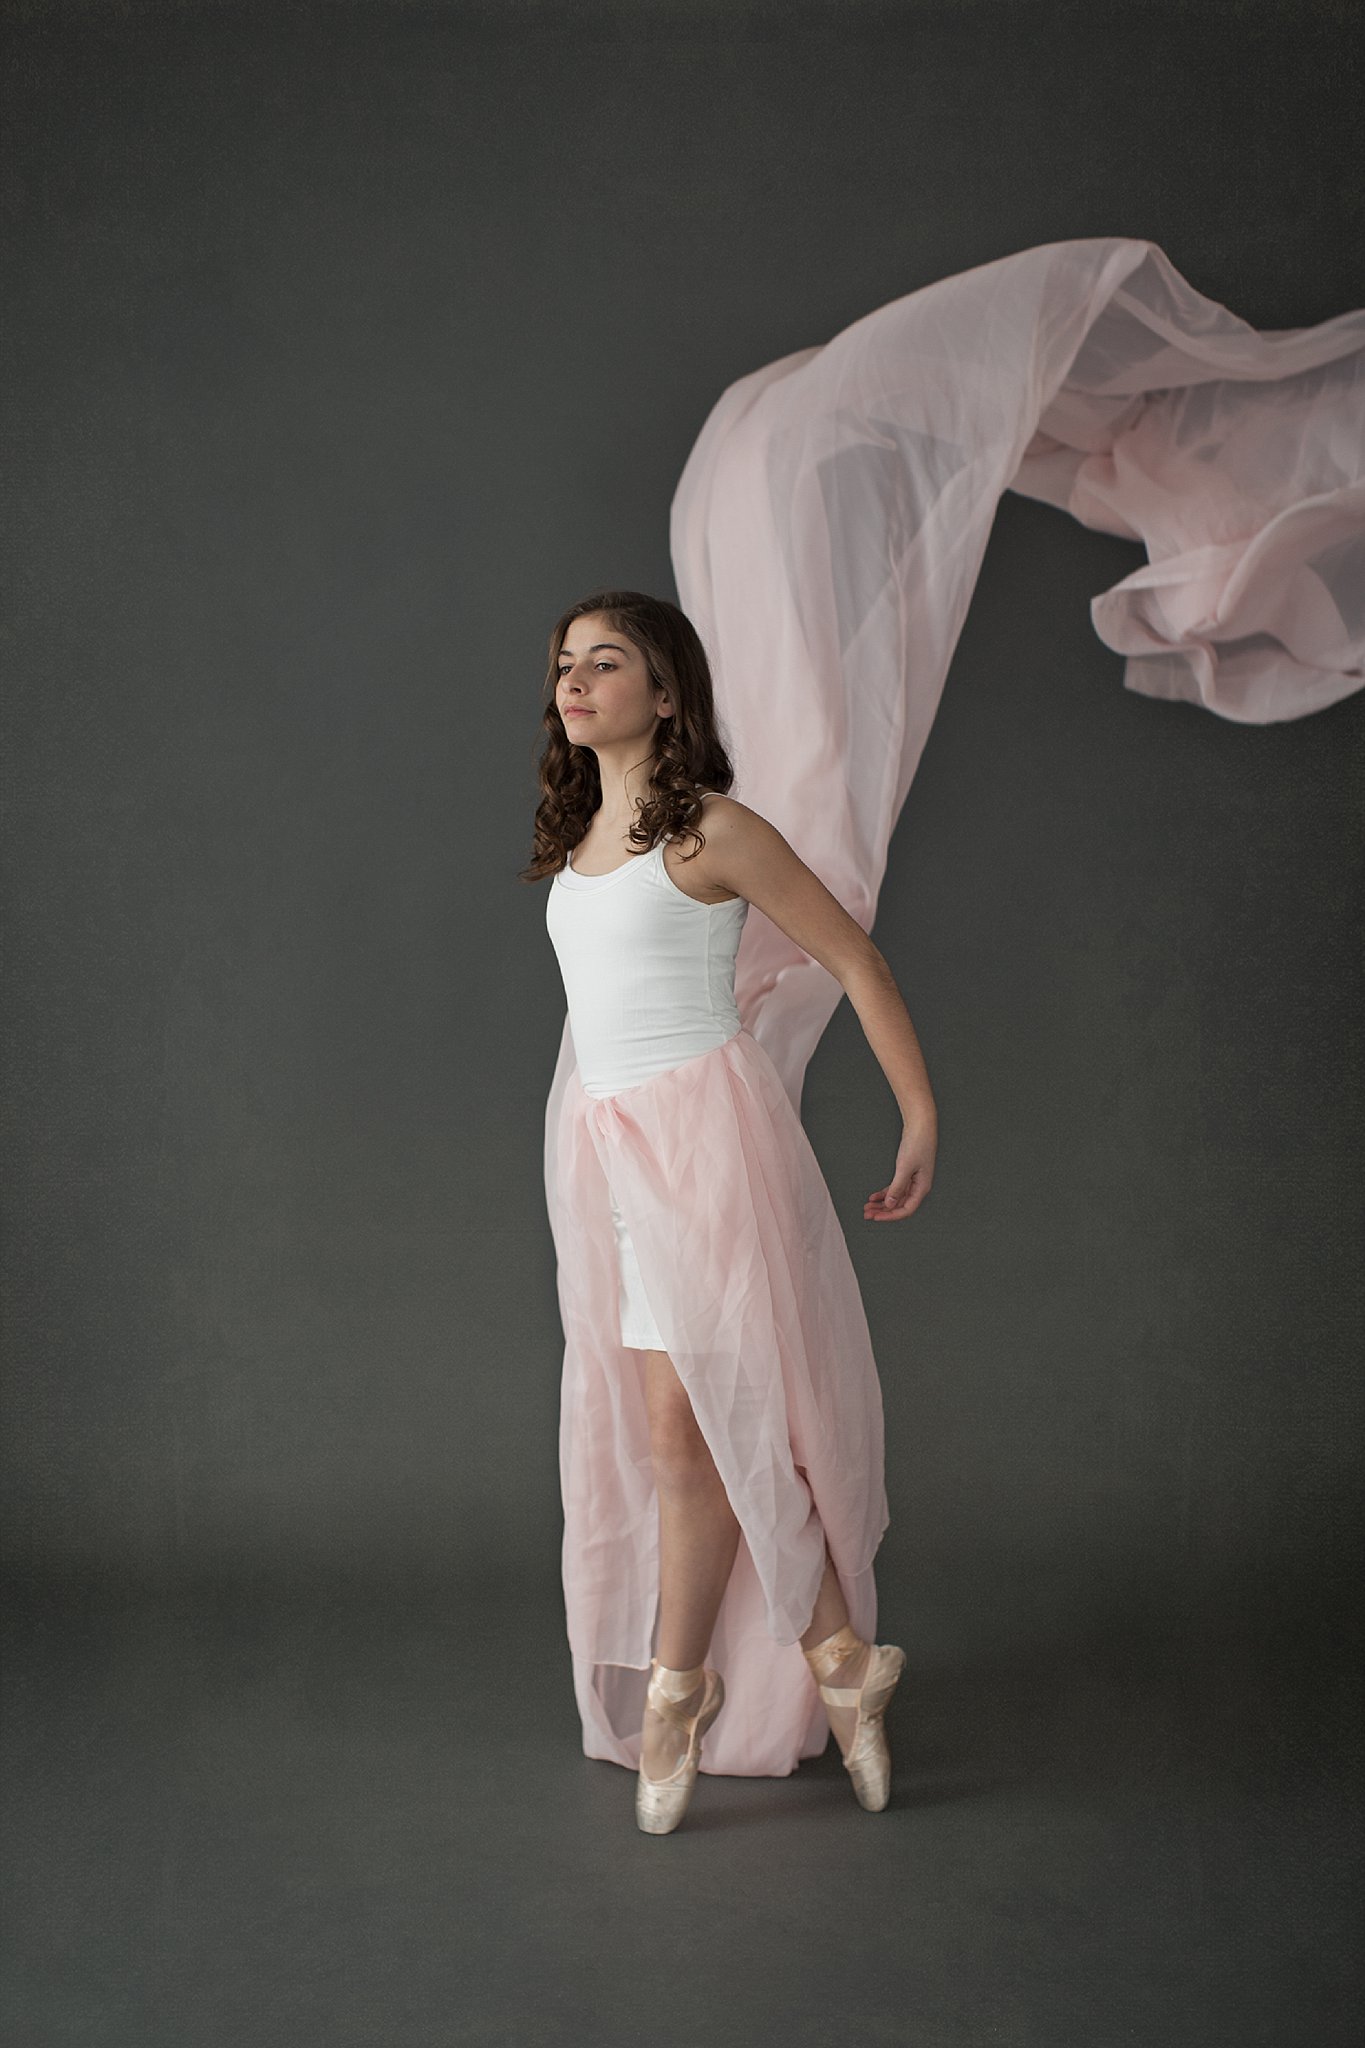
<point x="649" y="972"/>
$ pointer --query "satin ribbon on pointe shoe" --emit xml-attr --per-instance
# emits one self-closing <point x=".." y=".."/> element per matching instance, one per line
<point x="867" y="1758"/>
<point x="660" y="1803"/>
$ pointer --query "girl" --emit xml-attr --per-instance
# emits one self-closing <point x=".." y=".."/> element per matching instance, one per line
<point x="721" y="1444"/>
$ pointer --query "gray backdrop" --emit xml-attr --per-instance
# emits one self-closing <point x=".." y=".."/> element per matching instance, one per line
<point x="344" y="347"/>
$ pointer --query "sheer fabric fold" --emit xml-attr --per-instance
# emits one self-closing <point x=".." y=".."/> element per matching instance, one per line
<point x="827" y="531"/>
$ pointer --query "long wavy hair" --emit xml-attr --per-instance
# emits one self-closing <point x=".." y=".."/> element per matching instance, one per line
<point x="689" y="754"/>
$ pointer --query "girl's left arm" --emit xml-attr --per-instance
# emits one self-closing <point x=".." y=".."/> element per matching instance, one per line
<point x="871" y="988"/>
<point x="745" y="853"/>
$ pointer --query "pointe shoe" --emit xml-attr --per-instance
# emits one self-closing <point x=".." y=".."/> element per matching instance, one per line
<point x="867" y="1758"/>
<point x="660" y="1803"/>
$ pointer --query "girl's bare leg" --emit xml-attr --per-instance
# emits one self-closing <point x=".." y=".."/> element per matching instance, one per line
<point x="830" y="1610"/>
<point x="698" y="1539"/>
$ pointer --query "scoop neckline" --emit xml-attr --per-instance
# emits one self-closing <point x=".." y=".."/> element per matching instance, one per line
<point x="632" y="860"/>
<point x="569" y="877"/>
<point x="628" y="862"/>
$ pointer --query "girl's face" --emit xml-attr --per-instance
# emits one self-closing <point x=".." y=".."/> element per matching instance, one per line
<point x="604" y="693"/>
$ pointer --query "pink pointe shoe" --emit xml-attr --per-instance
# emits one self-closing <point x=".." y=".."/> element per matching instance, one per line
<point x="660" y="1803"/>
<point x="867" y="1758"/>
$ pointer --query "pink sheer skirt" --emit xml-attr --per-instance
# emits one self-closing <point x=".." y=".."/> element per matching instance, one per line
<point x="747" y="1271"/>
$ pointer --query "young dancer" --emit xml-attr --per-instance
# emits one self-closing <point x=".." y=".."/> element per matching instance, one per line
<point x="720" y="1443"/>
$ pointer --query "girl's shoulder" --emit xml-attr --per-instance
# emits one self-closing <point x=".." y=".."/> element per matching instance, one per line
<point x="718" y="808"/>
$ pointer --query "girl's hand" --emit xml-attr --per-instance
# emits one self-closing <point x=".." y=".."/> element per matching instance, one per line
<point x="912" y="1180"/>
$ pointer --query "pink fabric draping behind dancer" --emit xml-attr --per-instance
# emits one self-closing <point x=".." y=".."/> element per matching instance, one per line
<point x="827" y="532"/>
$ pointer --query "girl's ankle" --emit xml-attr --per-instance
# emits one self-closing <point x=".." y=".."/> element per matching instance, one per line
<point x="840" y="1658"/>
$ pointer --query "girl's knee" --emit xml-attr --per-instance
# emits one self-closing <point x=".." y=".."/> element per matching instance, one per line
<point x="682" y="1457"/>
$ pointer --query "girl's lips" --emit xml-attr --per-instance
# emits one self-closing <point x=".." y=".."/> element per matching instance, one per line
<point x="578" y="711"/>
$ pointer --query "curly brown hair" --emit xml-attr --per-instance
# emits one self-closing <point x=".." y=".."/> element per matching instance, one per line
<point x="690" y="756"/>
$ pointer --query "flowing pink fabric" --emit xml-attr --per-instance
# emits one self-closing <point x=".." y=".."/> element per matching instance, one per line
<point x="830" y="521"/>
<point x="827" y="532"/>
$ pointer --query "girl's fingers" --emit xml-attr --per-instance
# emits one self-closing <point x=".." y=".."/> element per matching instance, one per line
<point x="886" y="1204"/>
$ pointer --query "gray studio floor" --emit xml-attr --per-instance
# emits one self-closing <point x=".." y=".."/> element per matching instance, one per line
<point x="269" y="1818"/>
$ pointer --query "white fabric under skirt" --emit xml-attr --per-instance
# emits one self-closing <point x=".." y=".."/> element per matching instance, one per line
<point x="639" y="1329"/>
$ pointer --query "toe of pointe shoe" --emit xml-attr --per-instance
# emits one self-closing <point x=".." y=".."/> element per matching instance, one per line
<point x="868" y="1762"/>
<point x="660" y="1806"/>
<point x="660" y="1803"/>
<point x="870" y="1775"/>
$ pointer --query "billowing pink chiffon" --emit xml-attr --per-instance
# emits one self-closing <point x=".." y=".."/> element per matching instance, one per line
<point x="827" y="532"/>
<point x="832" y="515"/>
